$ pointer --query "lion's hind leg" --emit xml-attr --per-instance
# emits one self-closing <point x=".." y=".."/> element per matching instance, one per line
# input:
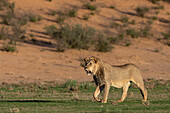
<point x="143" y="92"/>
<point x="142" y="88"/>
<point x="124" y="94"/>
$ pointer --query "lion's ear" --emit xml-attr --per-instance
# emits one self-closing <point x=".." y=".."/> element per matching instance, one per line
<point x="95" y="60"/>
<point x="83" y="62"/>
<point x="85" y="59"/>
<point x="92" y="57"/>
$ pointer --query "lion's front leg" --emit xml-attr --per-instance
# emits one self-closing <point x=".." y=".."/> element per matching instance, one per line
<point x="98" y="90"/>
<point x="106" y="92"/>
<point x="96" y="93"/>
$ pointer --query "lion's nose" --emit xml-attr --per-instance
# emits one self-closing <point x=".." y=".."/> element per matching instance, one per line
<point x="85" y="69"/>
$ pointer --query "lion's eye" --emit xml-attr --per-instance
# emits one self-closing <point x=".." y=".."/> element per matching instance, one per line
<point x="90" y="64"/>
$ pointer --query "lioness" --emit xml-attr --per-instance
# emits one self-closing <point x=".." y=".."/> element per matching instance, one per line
<point x="106" y="75"/>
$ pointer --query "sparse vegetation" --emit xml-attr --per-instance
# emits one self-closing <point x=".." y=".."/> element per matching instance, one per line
<point x="117" y="38"/>
<point x="18" y="33"/>
<point x="132" y="22"/>
<point x="103" y="44"/>
<point x="32" y="35"/>
<point x="114" y="25"/>
<point x="157" y="12"/>
<point x="168" y="13"/>
<point x="7" y="38"/>
<point x="74" y="36"/>
<point x="158" y="7"/>
<point x="8" y="48"/>
<point x="4" y="33"/>
<point x="10" y="39"/>
<point x="90" y="7"/>
<point x="145" y="32"/>
<point x="167" y="1"/>
<point x="141" y="11"/>
<point x="86" y="17"/>
<point x="50" y="0"/>
<point x="112" y="7"/>
<point x="92" y="13"/>
<point x="6" y="18"/>
<point x="154" y="1"/>
<point x="166" y="35"/>
<point x="124" y="19"/>
<point x="153" y="18"/>
<point x="33" y="17"/>
<point x="60" y="19"/>
<point x="71" y="85"/>
<point x="168" y="43"/>
<point x="72" y="12"/>
<point x="132" y="32"/>
<point x="50" y="30"/>
<point x="3" y="3"/>
<point x="149" y="22"/>
<point x="52" y="12"/>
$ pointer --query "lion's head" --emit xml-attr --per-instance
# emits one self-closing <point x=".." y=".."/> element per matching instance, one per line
<point x="91" y="65"/>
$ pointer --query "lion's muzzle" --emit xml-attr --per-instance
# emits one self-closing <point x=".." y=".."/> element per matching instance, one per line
<point x="88" y="71"/>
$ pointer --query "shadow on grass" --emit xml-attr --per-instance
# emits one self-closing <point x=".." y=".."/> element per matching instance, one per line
<point x="35" y="100"/>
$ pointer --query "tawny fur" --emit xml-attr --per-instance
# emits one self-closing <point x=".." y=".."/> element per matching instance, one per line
<point x="106" y="75"/>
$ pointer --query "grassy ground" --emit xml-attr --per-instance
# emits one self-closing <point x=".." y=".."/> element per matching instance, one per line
<point x="77" y="97"/>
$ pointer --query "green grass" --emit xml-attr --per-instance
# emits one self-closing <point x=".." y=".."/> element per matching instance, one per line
<point x="51" y="97"/>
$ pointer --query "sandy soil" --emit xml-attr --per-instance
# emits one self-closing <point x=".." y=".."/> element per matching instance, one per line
<point x="36" y="63"/>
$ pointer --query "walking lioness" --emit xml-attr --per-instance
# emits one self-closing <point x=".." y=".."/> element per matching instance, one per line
<point x="106" y="75"/>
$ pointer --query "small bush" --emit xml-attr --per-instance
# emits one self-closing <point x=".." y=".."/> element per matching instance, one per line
<point x="132" y="32"/>
<point x="90" y="7"/>
<point x="72" y="12"/>
<point x="52" y="13"/>
<point x="156" y="12"/>
<point x="166" y="35"/>
<point x="117" y="38"/>
<point x="8" y="48"/>
<point x="127" y="44"/>
<point x="141" y="11"/>
<point x="4" y="33"/>
<point x="158" y="7"/>
<point x="34" y="17"/>
<point x="50" y="0"/>
<point x="103" y="45"/>
<point x="86" y="86"/>
<point x="23" y="20"/>
<point x="149" y="22"/>
<point x="145" y="32"/>
<point x="50" y="30"/>
<point x="6" y="19"/>
<point x="168" y="43"/>
<point x="60" y="19"/>
<point x="154" y="1"/>
<point x="124" y="19"/>
<point x="92" y="13"/>
<point x="74" y="36"/>
<point x="18" y="33"/>
<point x="71" y="85"/>
<point x="153" y="18"/>
<point x="114" y="25"/>
<point x="167" y="1"/>
<point x="86" y="17"/>
<point x="112" y="7"/>
<point x="3" y="3"/>
<point x="132" y="22"/>
<point x="32" y="35"/>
